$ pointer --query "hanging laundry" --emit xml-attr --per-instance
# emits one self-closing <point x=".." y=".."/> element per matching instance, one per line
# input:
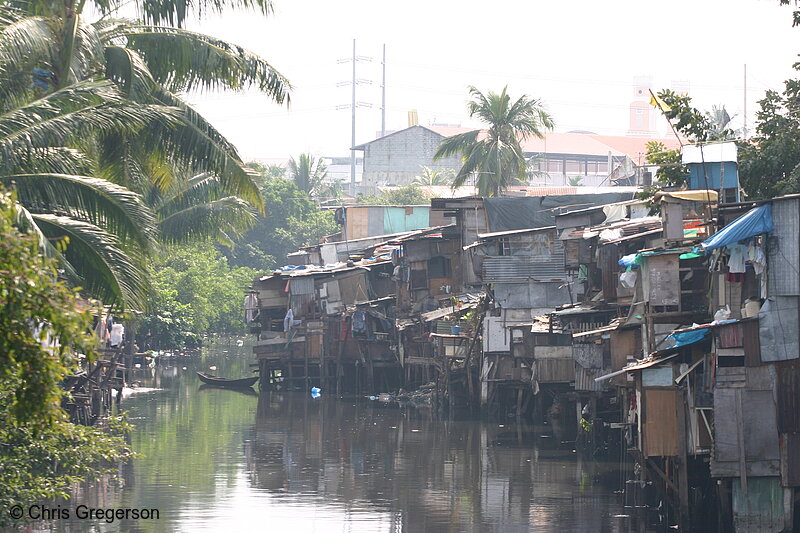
<point x="359" y="323"/>
<point x="116" y="335"/>
<point x="735" y="277"/>
<point x="250" y="307"/>
<point x="344" y="328"/>
<point x="288" y="320"/>
<point x="755" y="253"/>
<point x="737" y="254"/>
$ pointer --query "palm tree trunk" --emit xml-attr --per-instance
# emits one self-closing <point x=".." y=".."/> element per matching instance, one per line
<point x="71" y="18"/>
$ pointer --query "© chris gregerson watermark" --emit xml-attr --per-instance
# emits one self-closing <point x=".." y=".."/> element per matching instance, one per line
<point x="81" y="512"/>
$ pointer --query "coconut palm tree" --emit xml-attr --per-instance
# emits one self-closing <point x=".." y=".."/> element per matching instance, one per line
<point x="434" y="176"/>
<point x="495" y="154"/>
<point x="718" y="121"/>
<point x="63" y="129"/>
<point x="101" y="227"/>
<point x="308" y="173"/>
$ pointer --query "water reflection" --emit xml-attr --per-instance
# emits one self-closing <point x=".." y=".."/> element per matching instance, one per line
<point x="422" y="474"/>
<point x="214" y="459"/>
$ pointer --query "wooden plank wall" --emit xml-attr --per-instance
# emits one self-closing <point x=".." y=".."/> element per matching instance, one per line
<point x="660" y="422"/>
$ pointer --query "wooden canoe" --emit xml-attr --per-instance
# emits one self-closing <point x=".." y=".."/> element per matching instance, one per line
<point x="225" y="382"/>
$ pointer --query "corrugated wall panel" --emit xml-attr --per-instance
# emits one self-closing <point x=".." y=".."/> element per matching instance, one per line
<point x="788" y="381"/>
<point x="584" y="379"/>
<point x="783" y="250"/>
<point x="375" y="222"/>
<point x="516" y="269"/>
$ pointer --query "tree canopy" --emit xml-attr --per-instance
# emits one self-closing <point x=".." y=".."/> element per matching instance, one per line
<point x="103" y="153"/>
<point x="406" y="195"/>
<point x="495" y="155"/>
<point x="769" y="162"/>
<point x="292" y="220"/>
<point x="43" y="327"/>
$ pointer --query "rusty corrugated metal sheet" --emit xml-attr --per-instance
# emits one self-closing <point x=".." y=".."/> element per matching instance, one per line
<point x="788" y="385"/>
<point x="730" y="335"/>
<point x="584" y="379"/>
<point x="752" y="348"/>
<point x="790" y="460"/>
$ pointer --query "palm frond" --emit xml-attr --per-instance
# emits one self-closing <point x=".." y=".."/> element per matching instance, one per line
<point x="197" y="146"/>
<point x="100" y="202"/>
<point x="175" y="11"/>
<point x="87" y="54"/>
<point x="58" y="160"/>
<point x="25" y="221"/>
<point x="75" y="111"/>
<point x="182" y="60"/>
<point x="108" y="272"/>
<point x="223" y="220"/>
<point x="127" y="68"/>
<point x="200" y="210"/>
<point x="456" y="144"/>
<point x="25" y="42"/>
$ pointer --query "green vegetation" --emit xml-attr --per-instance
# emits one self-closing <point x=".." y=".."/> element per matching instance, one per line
<point x="109" y="168"/>
<point x="308" y="174"/>
<point x="198" y="289"/>
<point x="496" y="157"/>
<point x="769" y="163"/>
<point x="41" y="454"/>
<point x="100" y="148"/>
<point x="195" y="292"/>
<point x="670" y="173"/>
<point x="434" y="176"/>
<point x="694" y="125"/>
<point x="405" y="195"/>
<point x="292" y="220"/>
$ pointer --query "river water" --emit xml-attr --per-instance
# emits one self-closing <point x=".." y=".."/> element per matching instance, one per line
<point x="221" y="460"/>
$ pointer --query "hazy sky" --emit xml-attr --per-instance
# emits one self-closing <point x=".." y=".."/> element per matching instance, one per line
<point x="578" y="57"/>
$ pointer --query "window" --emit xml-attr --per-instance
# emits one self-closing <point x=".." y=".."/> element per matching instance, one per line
<point x="439" y="267"/>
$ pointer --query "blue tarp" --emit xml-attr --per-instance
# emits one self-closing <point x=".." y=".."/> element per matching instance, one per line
<point x="754" y="222"/>
<point x="688" y="337"/>
<point x="630" y="260"/>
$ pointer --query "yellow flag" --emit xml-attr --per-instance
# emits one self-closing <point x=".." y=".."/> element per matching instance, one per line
<point x="655" y="101"/>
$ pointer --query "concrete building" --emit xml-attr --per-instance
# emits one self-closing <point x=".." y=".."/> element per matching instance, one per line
<point x="397" y="158"/>
<point x="574" y="158"/>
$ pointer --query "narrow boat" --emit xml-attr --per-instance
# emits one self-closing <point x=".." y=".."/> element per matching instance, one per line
<point x="225" y="382"/>
<point x="247" y="391"/>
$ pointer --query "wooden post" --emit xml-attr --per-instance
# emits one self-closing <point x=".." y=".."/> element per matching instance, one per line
<point x="682" y="470"/>
<point x="339" y="364"/>
<point x="467" y="362"/>
<point x="740" y="438"/>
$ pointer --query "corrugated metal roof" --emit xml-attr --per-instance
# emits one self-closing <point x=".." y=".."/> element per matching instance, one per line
<point x="520" y="269"/>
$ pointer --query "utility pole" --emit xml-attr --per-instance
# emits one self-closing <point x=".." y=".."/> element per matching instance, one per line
<point x="744" y="128"/>
<point x="383" y="94"/>
<point x="353" y="128"/>
<point x="353" y="105"/>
